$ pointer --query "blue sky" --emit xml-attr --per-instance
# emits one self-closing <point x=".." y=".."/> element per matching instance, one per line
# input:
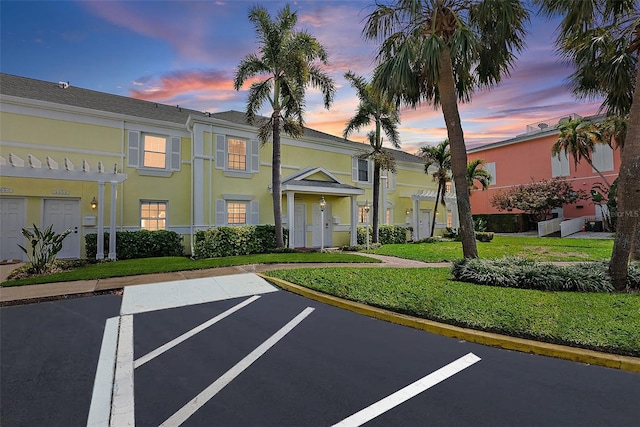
<point x="185" y="52"/>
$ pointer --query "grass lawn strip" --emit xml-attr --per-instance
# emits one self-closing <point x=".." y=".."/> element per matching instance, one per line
<point x="170" y="264"/>
<point x="535" y="248"/>
<point x="596" y="321"/>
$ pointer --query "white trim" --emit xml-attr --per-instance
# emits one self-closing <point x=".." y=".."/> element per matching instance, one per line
<point x="30" y="146"/>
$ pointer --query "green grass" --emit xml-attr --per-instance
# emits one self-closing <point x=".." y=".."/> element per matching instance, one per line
<point x="134" y="267"/>
<point x="600" y="321"/>
<point x="535" y="248"/>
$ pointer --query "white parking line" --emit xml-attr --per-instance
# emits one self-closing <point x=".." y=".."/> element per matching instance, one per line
<point x="197" y="402"/>
<point x="157" y="352"/>
<point x="100" y="409"/>
<point x="406" y="393"/>
<point x="122" y="404"/>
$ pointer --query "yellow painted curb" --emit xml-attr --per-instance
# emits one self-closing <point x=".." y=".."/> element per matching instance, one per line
<point x="626" y="363"/>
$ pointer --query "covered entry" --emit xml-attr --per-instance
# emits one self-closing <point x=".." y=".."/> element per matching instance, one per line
<point x="422" y="217"/>
<point x="303" y="191"/>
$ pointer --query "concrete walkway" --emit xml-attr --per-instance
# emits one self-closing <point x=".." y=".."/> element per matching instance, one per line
<point x="31" y="292"/>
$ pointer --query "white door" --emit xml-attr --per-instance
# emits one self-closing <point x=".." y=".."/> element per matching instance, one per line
<point x="64" y="214"/>
<point x="424" y="228"/>
<point x="322" y="221"/>
<point x="300" y="226"/>
<point x="12" y="221"/>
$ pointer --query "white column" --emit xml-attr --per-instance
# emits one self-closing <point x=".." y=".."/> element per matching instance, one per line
<point x="354" y="221"/>
<point x="290" y="217"/>
<point x="100" y="236"/>
<point x="112" y="221"/>
<point x="383" y="200"/>
<point x="416" y="224"/>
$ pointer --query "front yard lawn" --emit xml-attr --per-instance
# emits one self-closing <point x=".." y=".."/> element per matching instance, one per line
<point x="599" y="321"/>
<point x="535" y="248"/>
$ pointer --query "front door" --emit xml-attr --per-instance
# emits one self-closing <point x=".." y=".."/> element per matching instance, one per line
<point x="64" y="214"/>
<point x="424" y="228"/>
<point x="300" y="226"/>
<point x="322" y="222"/>
<point x="12" y="221"/>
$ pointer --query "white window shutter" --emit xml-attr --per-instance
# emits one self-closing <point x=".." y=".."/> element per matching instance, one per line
<point x="564" y="162"/>
<point x="370" y="165"/>
<point x="354" y="169"/>
<point x="556" y="165"/>
<point x="491" y="168"/>
<point x="221" y="212"/>
<point x="221" y="142"/>
<point x="175" y="153"/>
<point x="254" y="208"/>
<point x="133" y="153"/>
<point x="392" y="180"/>
<point x="255" y="156"/>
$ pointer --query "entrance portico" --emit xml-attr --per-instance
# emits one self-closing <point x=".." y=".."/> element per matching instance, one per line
<point x="318" y="182"/>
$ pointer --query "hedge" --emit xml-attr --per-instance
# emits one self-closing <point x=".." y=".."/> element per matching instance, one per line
<point x="387" y="234"/>
<point x="139" y="244"/>
<point x="231" y="241"/>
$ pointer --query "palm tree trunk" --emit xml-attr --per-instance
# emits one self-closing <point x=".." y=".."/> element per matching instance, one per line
<point x="628" y="197"/>
<point x="376" y="201"/>
<point x="435" y="208"/>
<point x="276" y="180"/>
<point x="598" y="172"/>
<point x="449" y="102"/>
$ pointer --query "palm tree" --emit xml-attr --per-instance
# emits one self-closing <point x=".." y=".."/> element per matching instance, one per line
<point x="476" y="173"/>
<point x="384" y="114"/>
<point x="579" y="137"/>
<point x="440" y="51"/>
<point x="614" y="127"/>
<point x="440" y="156"/>
<point x="288" y="60"/>
<point x="601" y="38"/>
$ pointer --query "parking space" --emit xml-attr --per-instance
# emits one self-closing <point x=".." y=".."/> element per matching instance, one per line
<point x="247" y="354"/>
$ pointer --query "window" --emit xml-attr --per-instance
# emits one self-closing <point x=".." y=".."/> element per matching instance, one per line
<point x="236" y="213"/>
<point x="153" y="216"/>
<point x="237" y="154"/>
<point x="447" y="187"/>
<point x="154" y="151"/>
<point x="449" y="219"/>
<point x="388" y="218"/>
<point x="602" y="158"/>
<point x="491" y="168"/>
<point x="362" y="215"/>
<point x="559" y="165"/>
<point x="363" y="170"/>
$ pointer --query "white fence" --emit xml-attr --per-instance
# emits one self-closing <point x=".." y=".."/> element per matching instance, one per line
<point x="549" y="227"/>
<point x="571" y="226"/>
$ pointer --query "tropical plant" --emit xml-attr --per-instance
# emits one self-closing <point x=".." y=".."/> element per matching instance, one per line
<point x="45" y="245"/>
<point x="440" y="157"/>
<point x="373" y="108"/>
<point x="440" y="51"/>
<point x="601" y="38"/>
<point x="614" y="128"/>
<point x="606" y="198"/>
<point x="578" y="137"/>
<point x="289" y="60"/>
<point x="538" y="198"/>
<point x="477" y="173"/>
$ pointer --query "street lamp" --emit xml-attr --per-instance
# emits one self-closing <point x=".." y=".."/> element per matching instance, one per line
<point x="323" y="203"/>
<point x="366" y="211"/>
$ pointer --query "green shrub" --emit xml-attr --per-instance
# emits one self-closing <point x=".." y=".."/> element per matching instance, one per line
<point x="480" y="224"/>
<point x="230" y="241"/>
<point x="139" y="244"/>
<point x="45" y="245"/>
<point x="484" y="236"/>
<point x="514" y="272"/>
<point x="452" y="233"/>
<point x="387" y="234"/>
<point x="434" y="239"/>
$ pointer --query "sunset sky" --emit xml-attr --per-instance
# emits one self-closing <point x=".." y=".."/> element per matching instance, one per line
<point x="185" y="53"/>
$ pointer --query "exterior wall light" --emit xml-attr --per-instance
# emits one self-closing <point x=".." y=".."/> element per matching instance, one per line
<point x="94" y="203"/>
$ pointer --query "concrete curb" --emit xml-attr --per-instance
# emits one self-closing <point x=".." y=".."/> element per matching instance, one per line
<point x="625" y="363"/>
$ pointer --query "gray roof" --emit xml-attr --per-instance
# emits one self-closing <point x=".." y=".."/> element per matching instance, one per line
<point x="40" y="90"/>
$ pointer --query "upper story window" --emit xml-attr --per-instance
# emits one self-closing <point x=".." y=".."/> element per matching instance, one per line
<point x="602" y="157"/>
<point x="153" y="154"/>
<point x="491" y="168"/>
<point x="559" y="165"/>
<point x="153" y="215"/>
<point x="237" y="154"/>
<point x="362" y="170"/>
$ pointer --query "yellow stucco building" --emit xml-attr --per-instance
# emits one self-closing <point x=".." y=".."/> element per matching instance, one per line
<point x="96" y="162"/>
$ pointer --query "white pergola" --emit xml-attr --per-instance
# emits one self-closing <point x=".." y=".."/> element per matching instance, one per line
<point x="17" y="167"/>
<point x="429" y="196"/>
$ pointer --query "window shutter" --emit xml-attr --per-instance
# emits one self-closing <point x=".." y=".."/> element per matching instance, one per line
<point x="564" y="162"/>
<point x="255" y="212"/>
<point x="555" y="165"/>
<point x="392" y="180"/>
<point x="221" y="142"/>
<point x="354" y="168"/>
<point x="491" y="168"/>
<point x="175" y="153"/>
<point x="370" y="176"/>
<point x="221" y="212"/>
<point x="133" y="155"/>
<point x="255" y="156"/>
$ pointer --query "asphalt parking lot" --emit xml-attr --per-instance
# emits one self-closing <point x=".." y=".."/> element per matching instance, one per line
<point x="271" y="358"/>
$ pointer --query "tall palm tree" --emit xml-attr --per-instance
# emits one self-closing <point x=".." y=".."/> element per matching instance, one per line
<point x="373" y="108"/>
<point x="614" y="127"/>
<point x="288" y="61"/>
<point x="439" y="156"/>
<point x="440" y="51"/>
<point x="476" y="173"/>
<point x="579" y="137"/>
<point x="602" y="40"/>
